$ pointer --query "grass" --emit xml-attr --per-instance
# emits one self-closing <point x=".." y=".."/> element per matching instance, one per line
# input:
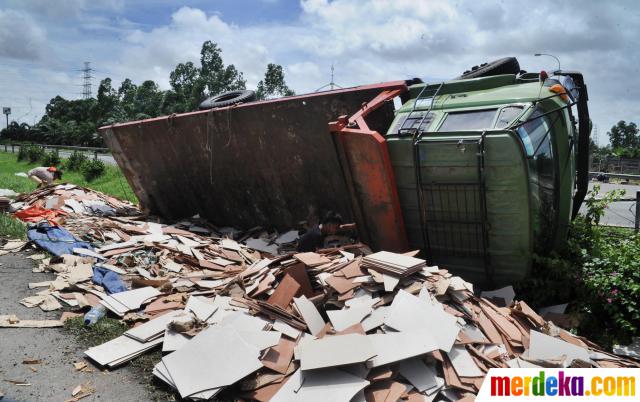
<point x="112" y="182"/>
<point x="104" y="330"/>
<point x="107" y="329"/>
<point x="11" y="227"/>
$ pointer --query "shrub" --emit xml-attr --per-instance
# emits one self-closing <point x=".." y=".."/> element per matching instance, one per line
<point x="50" y="158"/>
<point x="612" y="281"/>
<point x="35" y="153"/>
<point x="92" y="169"/>
<point x="22" y="152"/>
<point x="75" y="161"/>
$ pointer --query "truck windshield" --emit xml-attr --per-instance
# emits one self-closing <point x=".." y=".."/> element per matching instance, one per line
<point x="469" y="120"/>
<point x="536" y="135"/>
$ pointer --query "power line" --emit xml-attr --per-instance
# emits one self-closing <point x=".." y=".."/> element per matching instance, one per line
<point x="86" y="80"/>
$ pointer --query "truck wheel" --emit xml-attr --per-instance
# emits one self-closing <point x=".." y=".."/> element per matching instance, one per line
<point x="228" y="99"/>
<point x="507" y="65"/>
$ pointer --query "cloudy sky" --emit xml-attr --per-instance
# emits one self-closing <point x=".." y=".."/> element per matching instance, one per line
<point x="44" y="43"/>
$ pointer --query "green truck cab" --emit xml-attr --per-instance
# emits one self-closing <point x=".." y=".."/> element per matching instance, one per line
<point x="491" y="170"/>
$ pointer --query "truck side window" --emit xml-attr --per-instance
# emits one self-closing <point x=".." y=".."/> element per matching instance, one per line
<point x="507" y="114"/>
<point x="410" y="121"/>
<point x="470" y="120"/>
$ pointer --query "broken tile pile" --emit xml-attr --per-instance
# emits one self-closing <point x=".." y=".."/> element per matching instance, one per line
<point x="70" y="198"/>
<point x="240" y="322"/>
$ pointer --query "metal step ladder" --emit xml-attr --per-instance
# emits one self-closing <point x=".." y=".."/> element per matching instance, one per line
<point x="453" y="215"/>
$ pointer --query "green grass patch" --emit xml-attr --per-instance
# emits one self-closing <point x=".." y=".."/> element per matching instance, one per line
<point x="102" y="331"/>
<point x="112" y="182"/>
<point x="11" y="227"/>
<point x="107" y="329"/>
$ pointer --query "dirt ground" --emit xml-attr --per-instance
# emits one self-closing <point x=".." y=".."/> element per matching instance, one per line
<point x="55" y="377"/>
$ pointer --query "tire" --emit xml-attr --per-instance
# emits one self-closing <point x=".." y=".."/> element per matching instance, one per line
<point x="507" y="65"/>
<point x="228" y="99"/>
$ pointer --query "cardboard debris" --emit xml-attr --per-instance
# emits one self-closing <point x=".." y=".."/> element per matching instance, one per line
<point x="8" y="322"/>
<point x="235" y="313"/>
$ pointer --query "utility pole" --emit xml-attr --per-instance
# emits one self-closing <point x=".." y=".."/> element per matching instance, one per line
<point x="332" y="85"/>
<point x="6" y="111"/>
<point x="86" y="80"/>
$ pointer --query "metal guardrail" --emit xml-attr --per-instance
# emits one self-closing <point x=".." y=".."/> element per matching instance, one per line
<point x="616" y="175"/>
<point x="94" y="150"/>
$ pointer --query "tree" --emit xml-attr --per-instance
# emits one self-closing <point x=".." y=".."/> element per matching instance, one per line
<point x="214" y="76"/>
<point x="108" y="102"/>
<point x="624" y="135"/>
<point x="273" y="84"/>
<point x="187" y="88"/>
<point x="127" y="95"/>
<point x="148" y="100"/>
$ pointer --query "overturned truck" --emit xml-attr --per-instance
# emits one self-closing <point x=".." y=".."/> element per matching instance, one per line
<point x="479" y="172"/>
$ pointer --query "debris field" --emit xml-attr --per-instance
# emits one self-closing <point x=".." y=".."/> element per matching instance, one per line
<point x="239" y="315"/>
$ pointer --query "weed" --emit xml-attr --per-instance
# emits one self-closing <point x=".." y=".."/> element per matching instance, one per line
<point x="11" y="227"/>
<point x="102" y="331"/>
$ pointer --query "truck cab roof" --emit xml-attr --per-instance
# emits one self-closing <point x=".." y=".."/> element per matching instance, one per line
<point x="476" y="92"/>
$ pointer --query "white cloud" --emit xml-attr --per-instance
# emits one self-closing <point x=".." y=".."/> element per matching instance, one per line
<point x="20" y="37"/>
<point x="367" y="41"/>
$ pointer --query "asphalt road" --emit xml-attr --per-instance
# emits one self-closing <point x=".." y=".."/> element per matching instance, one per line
<point x="621" y="213"/>
<point x="56" y="377"/>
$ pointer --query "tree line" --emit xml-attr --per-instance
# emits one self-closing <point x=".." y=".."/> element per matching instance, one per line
<point x="75" y="121"/>
<point x="624" y="141"/>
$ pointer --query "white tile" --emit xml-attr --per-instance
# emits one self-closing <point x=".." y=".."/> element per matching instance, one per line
<point x="343" y="319"/>
<point x="507" y="293"/>
<point x="310" y="314"/>
<point x="320" y="386"/>
<point x="332" y="351"/>
<point x="418" y="373"/>
<point x="202" y="307"/>
<point x="393" y="347"/>
<point x="545" y="347"/>
<point x="390" y="282"/>
<point x="133" y="299"/>
<point x="408" y="312"/>
<point x="286" y="329"/>
<point x="152" y="328"/>
<point x="375" y="319"/>
<point x="463" y="362"/>
<point x="118" y="348"/>
<point x="214" y="358"/>
<point x="173" y="340"/>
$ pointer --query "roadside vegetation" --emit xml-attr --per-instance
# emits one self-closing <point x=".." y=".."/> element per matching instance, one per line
<point x="111" y="181"/>
<point x="102" y="331"/>
<point x="598" y="275"/>
<point x="11" y="227"/>
<point x="107" y="329"/>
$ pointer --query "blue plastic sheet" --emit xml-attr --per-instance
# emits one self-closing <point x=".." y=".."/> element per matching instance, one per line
<point x="108" y="280"/>
<point x="55" y="239"/>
